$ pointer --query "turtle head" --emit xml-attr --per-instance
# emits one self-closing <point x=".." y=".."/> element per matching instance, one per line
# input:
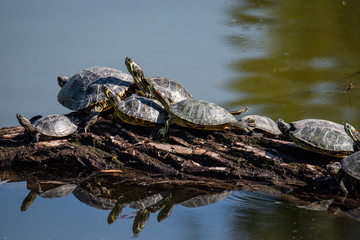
<point x="62" y="80"/>
<point x="109" y="95"/>
<point x="29" y="129"/>
<point x="134" y="69"/>
<point x="156" y="94"/>
<point x="353" y="133"/>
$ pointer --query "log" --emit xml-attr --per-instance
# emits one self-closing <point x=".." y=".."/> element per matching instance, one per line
<point x="183" y="156"/>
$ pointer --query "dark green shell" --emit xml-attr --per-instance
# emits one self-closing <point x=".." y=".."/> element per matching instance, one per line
<point x="84" y="88"/>
<point x="55" y="125"/>
<point x="285" y="127"/>
<point x="171" y="89"/>
<point x="202" y="113"/>
<point x="351" y="165"/>
<point x="140" y="110"/>
<point x="323" y="140"/>
<point x="264" y="124"/>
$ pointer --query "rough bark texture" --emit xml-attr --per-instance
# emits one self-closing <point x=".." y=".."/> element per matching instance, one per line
<point x="223" y="159"/>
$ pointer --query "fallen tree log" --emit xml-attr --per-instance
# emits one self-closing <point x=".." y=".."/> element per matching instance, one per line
<point x="183" y="153"/>
<point x="185" y="157"/>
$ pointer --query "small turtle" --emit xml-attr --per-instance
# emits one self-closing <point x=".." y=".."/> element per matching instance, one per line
<point x="195" y="113"/>
<point x="286" y="128"/>
<point x="348" y="171"/>
<point x="83" y="90"/>
<point x="323" y="140"/>
<point x="264" y="124"/>
<point x="167" y="87"/>
<point x="137" y="110"/>
<point x="51" y="126"/>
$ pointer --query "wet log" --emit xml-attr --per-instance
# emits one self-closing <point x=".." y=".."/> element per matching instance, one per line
<point x="183" y="154"/>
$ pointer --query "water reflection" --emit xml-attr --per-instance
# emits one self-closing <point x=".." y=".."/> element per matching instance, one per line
<point x="105" y="193"/>
<point x="256" y="215"/>
<point x="299" y="57"/>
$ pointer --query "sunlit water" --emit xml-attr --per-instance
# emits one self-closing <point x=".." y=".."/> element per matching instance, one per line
<point x="289" y="59"/>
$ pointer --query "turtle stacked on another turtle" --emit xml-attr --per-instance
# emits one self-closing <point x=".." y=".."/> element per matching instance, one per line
<point x="191" y="113"/>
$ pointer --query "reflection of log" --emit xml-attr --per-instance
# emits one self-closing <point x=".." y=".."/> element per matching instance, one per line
<point x="182" y="154"/>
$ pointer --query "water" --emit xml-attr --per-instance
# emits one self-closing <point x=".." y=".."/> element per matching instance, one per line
<point x="286" y="59"/>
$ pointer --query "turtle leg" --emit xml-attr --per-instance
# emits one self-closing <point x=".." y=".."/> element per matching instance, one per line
<point x="165" y="129"/>
<point x="244" y="125"/>
<point x="240" y="111"/>
<point x="94" y="116"/>
<point x="343" y="187"/>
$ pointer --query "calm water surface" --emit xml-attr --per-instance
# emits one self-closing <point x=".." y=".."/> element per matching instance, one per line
<point x="289" y="59"/>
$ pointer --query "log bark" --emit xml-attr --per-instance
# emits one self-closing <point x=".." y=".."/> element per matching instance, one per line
<point x="183" y="155"/>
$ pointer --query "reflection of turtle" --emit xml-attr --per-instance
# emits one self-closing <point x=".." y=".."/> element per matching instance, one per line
<point x="135" y="202"/>
<point x="47" y="191"/>
<point x="192" y="202"/>
<point x="264" y="124"/>
<point x="169" y="88"/>
<point x="83" y="90"/>
<point x="197" y="114"/>
<point x="55" y="125"/>
<point x="92" y="200"/>
<point x="348" y="171"/>
<point x="137" y="110"/>
<point x="323" y="140"/>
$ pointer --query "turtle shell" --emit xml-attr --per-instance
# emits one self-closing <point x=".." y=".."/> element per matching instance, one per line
<point x="351" y="165"/>
<point x="171" y="89"/>
<point x="84" y="88"/>
<point x="55" y="125"/>
<point x="141" y="111"/>
<point x="285" y="127"/>
<point x="323" y="140"/>
<point x="264" y="124"/>
<point x="201" y="114"/>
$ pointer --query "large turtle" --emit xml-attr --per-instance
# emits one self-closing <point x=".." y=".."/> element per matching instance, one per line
<point x="51" y="126"/>
<point x="83" y="90"/>
<point x="286" y="128"/>
<point x="137" y="110"/>
<point x="323" y="140"/>
<point x="264" y="124"/>
<point x="193" y="113"/>
<point x="167" y="87"/>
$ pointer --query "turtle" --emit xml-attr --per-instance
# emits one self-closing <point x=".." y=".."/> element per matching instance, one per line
<point x="169" y="88"/>
<point x="324" y="140"/>
<point x="196" y="114"/>
<point x="348" y="171"/>
<point x="137" y="110"/>
<point x="83" y="90"/>
<point x="51" y="126"/>
<point x="286" y="128"/>
<point x="264" y="124"/>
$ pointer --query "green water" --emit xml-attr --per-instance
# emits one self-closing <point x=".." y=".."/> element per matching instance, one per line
<point x="289" y="59"/>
